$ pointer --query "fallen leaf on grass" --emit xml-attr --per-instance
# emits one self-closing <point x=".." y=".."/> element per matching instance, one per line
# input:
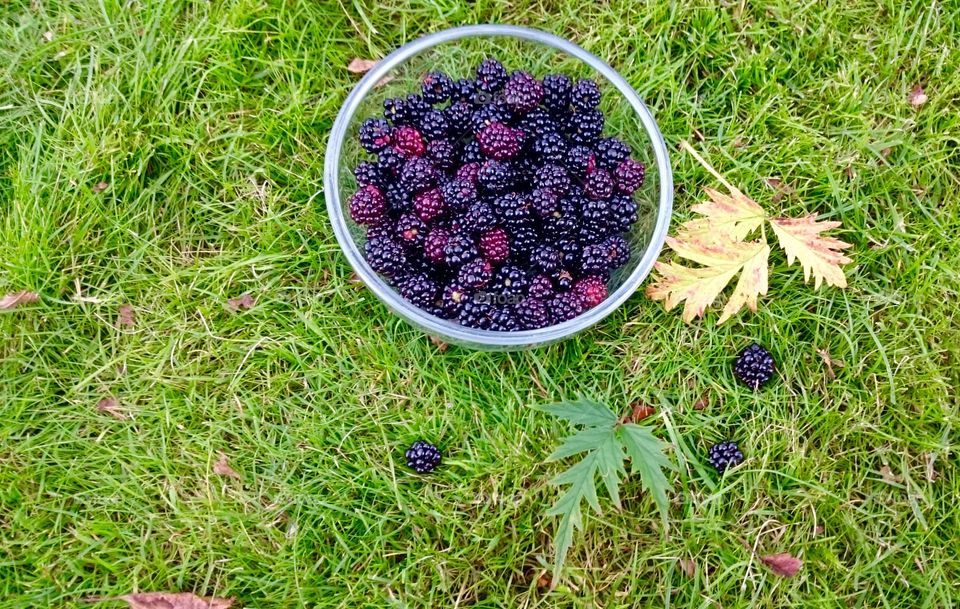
<point x="782" y="189"/>
<point x="819" y="256"/>
<point x="640" y="412"/>
<point x="222" y="468"/>
<point x="361" y="66"/>
<point x="166" y="600"/>
<point x="702" y="403"/>
<point x="100" y="187"/>
<point x="888" y="476"/>
<point x="688" y="567"/>
<point x="111" y="406"/>
<point x="917" y="97"/>
<point x="126" y="315"/>
<point x="244" y="301"/>
<point x="439" y="344"/>
<point x="12" y="301"/>
<point x="784" y="565"/>
<point x="829" y="362"/>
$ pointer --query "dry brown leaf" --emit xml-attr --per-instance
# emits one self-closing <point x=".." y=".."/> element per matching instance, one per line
<point x="784" y="565"/>
<point x="702" y="403"/>
<point x="100" y="187"/>
<point x="361" y="66"/>
<point x="931" y="473"/>
<point x="639" y="412"/>
<point x="688" y="567"/>
<point x="782" y="189"/>
<point x="166" y="600"/>
<point x="126" y="316"/>
<point x="829" y="362"/>
<point x="244" y="301"/>
<point x="819" y="256"/>
<point x="439" y="344"/>
<point x="111" y="406"/>
<point x="222" y="468"/>
<point x="12" y="301"/>
<point x="383" y="81"/>
<point x="888" y="476"/>
<point x="917" y="97"/>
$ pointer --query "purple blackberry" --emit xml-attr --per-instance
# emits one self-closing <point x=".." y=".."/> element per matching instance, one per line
<point x="475" y="274"/>
<point x="367" y="206"/>
<point x="459" y="249"/>
<point x="459" y="194"/>
<point x="585" y="95"/>
<point x="538" y="123"/>
<point x="629" y="176"/>
<point x="623" y="213"/>
<point x="754" y="367"/>
<point x="564" y="307"/>
<point x="419" y="289"/>
<point x="496" y="176"/>
<point x="418" y="175"/>
<point x="458" y="118"/>
<point x="443" y="154"/>
<point x="554" y="177"/>
<point x="550" y="148"/>
<point x="385" y="256"/>
<point x="396" y="112"/>
<point x="368" y="173"/>
<point x="580" y="161"/>
<point x="598" y="185"/>
<point x="544" y="259"/>
<point x="486" y="115"/>
<point x="541" y="287"/>
<point x="422" y="457"/>
<point x="453" y="298"/>
<point x="523" y="239"/>
<point x="478" y="218"/>
<point x="408" y="141"/>
<point x="510" y="280"/>
<point x="494" y="245"/>
<point x="375" y="134"/>
<point x="503" y="319"/>
<point x="390" y="161"/>
<point x="617" y="251"/>
<point x="592" y="290"/>
<point x="435" y="243"/>
<point x="472" y="153"/>
<point x="463" y="90"/>
<point x="410" y="230"/>
<point x="562" y="280"/>
<point x="429" y="205"/>
<point x="433" y="124"/>
<point x="468" y="172"/>
<point x="724" y="455"/>
<point x="475" y="314"/>
<point x="556" y="92"/>
<point x="611" y="152"/>
<point x="513" y="209"/>
<point x="585" y="126"/>
<point x="522" y="92"/>
<point x="499" y="141"/>
<point x="532" y="313"/>
<point x="491" y="75"/>
<point x="436" y="87"/>
<point x="544" y="202"/>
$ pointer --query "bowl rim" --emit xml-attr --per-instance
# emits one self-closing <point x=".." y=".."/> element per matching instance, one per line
<point x="447" y="328"/>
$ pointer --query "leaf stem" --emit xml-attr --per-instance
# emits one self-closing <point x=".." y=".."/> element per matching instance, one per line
<point x="688" y="148"/>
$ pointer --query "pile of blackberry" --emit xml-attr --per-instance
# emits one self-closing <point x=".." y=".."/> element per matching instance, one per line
<point x="495" y="200"/>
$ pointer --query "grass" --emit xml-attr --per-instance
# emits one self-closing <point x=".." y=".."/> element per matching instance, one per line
<point x="208" y="121"/>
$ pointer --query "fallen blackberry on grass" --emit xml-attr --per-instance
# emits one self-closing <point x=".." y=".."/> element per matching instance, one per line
<point x="423" y="457"/>
<point x="724" y="455"/>
<point x="754" y="367"/>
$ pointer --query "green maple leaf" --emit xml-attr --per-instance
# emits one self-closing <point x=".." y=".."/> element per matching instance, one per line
<point x="606" y="442"/>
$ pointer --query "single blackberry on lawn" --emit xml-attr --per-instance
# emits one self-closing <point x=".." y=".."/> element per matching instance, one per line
<point x="423" y="457"/>
<point x="510" y="280"/>
<point x="540" y="287"/>
<point x="419" y="289"/>
<point x="475" y="274"/>
<point x="724" y="455"/>
<point x="368" y="206"/>
<point x="453" y="298"/>
<point x="538" y="123"/>
<point x="368" y="173"/>
<point x="611" y="152"/>
<point x="499" y="141"/>
<point x="429" y="205"/>
<point x="544" y="202"/>
<point x="754" y="366"/>
<point x="443" y="154"/>
<point x="458" y="118"/>
<point x="475" y="314"/>
<point x="544" y="259"/>
<point x="554" y="177"/>
<point x="491" y="75"/>
<point x="522" y="92"/>
<point x="433" y="124"/>
<point x="550" y="148"/>
<point x="385" y="256"/>
<point x="436" y="87"/>
<point x="532" y="313"/>
<point x="585" y="126"/>
<point x="564" y="307"/>
<point x="375" y="134"/>
<point x="486" y="115"/>
<point x="629" y="176"/>
<point x="585" y="95"/>
<point x="494" y="245"/>
<point x="496" y="176"/>
<point x="598" y="185"/>
<point x="418" y="174"/>
<point x="459" y="249"/>
<point x="580" y="161"/>
<point x="556" y="92"/>
<point x="410" y="230"/>
<point x="459" y="194"/>
<point x="591" y="289"/>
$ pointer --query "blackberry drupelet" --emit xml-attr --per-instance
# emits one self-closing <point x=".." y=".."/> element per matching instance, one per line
<point x="491" y="75"/>
<point x="724" y="455"/>
<point x="611" y="152"/>
<point x="499" y="141"/>
<point x="423" y="457"/>
<point x="429" y="205"/>
<point x="585" y="95"/>
<point x="436" y="87"/>
<point x="408" y="141"/>
<point x="556" y="92"/>
<point x="475" y="274"/>
<point x="629" y="176"/>
<point x="532" y="313"/>
<point x="385" y="256"/>
<point x="459" y="249"/>
<point x="494" y="245"/>
<point x="375" y="134"/>
<point x="754" y="366"/>
<point x="368" y="206"/>
<point x="522" y="92"/>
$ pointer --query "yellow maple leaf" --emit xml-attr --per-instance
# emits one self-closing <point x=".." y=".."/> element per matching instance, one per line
<point x="732" y="216"/>
<point x="819" y="256"/>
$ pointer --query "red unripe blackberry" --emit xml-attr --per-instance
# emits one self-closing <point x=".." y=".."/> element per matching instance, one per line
<point x="429" y="205"/>
<point x="494" y="245"/>
<point x="367" y="206"/>
<point x="499" y="141"/>
<point x="434" y="243"/>
<point x="408" y="141"/>
<point x="592" y="290"/>
<point x="629" y="176"/>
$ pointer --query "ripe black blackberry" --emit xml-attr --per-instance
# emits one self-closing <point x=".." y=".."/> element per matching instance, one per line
<point x="390" y="161"/>
<point x="754" y="366"/>
<point x="544" y="259"/>
<point x="556" y="92"/>
<point x="459" y="194"/>
<point x="369" y="173"/>
<point x="375" y="134"/>
<point x="463" y="90"/>
<point x="423" y="457"/>
<point x="569" y="252"/>
<point x="419" y="289"/>
<point x="443" y="154"/>
<point x="598" y="185"/>
<point x="593" y="260"/>
<point x="724" y="455"/>
<point x="562" y="280"/>
<point x="436" y="87"/>
<point x="459" y="249"/>
<point x="564" y="307"/>
<point x="611" y="152"/>
<point x="410" y="230"/>
<point x="453" y="298"/>
<point x="472" y="153"/>
<point x="523" y="239"/>
<point x="580" y="160"/>
<point x="550" y="147"/>
<point x="585" y="95"/>
<point x="478" y="218"/>
<point x="433" y="124"/>
<point x="538" y="122"/>
<point x="416" y="106"/>
<point x="396" y="112"/>
<point x="513" y="209"/>
<point x="496" y="176"/>
<point x="540" y="287"/>
<point x="458" y="118"/>
<point x="398" y="199"/>
<point x="494" y="245"/>
<point x="585" y="126"/>
<point x="623" y="213"/>
<point x="475" y="274"/>
<point x="559" y="227"/>
<point x="499" y="141"/>
<point x="491" y="75"/>
<point x="385" y="256"/>
<point x="617" y="251"/>
<point x="629" y="176"/>
<point x="503" y="319"/>
<point x="510" y="280"/>
<point x="368" y="206"/>
<point x="418" y="174"/>
<point x="544" y="202"/>
<point x="486" y="115"/>
<point x="532" y="313"/>
<point x="522" y="92"/>
<point x="554" y="177"/>
<point x="475" y="314"/>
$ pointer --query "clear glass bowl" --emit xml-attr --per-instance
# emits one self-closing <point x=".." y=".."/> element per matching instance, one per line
<point x="457" y="51"/>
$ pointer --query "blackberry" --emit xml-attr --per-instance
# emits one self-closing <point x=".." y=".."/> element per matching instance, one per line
<point x="390" y="161"/>
<point x="617" y="251"/>
<point x="486" y="115"/>
<point x="562" y="280"/>
<point x="479" y="217"/>
<point x="420" y="290"/>
<point x="491" y="75"/>
<point x="623" y="213"/>
<point x="472" y="153"/>
<point x="754" y="366"/>
<point x="585" y="126"/>
<point x="496" y="176"/>
<point x="724" y="455"/>
<point x="556" y="92"/>
<point x="503" y="319"/>
<point x="416" y="107"/>
<point x="593" y="233"/>
<point x="561" y="226"/>
<point x="580" y="161"/>
<point x="554" y="177"/>
<point x="410" y="230"/>
<point x="429" y="205"/>
<point x="368" y="173"/>
<point x="453" y="298"/>
<point x="398" y="199"/>
<point x="423" y="457"/>
<point x="570" y="250"/>
<point x="475" y="314"/>
<point x="544" y="202"/>
<point x="367" y="206"/>
<point x="596" y="215"/>
<point x="544" y="259"/>
<point x="564" y="307"/>
<point x="532" y="313"/>
<point x="375" y="134"/>
<point x="611" y="152"/>
<point x="433" y="124"/>
<point x="459" y="249"/>
<point x="523" y="238"/>
<point x="513" y="209"/>
<point x="591" y="289"/>
<point x="629" y="176"/>
<point x="593" y="260"/>
<point x="540" y="287"/>
<point x="459" y="194"/>
<point x="442" y="153"/>
<point x="396" y="112"/>
<point x="418" y="175"/>
<point x="385" y="256"/>
<point x="494" y="245"/>
<point x="469" y="172"/>
<point x="598" y="185"/>
<point x="522" y="92"/>
<point x="408" y="141"/>
<point x="510" y="280"/>
<point x="499" y="141"/>
<point x="379" y="231"/>
<point x="436" y="87"/>
<point x="463" y="90"/>
<point x="550" y="148"/>
<point x="475" y="274"/>
<point x="538" y="123"/>
<point x="585" y="95"/>
<point x="458" y="118"/>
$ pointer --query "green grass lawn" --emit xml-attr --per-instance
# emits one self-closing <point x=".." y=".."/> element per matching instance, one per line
<point x="208" y="122"/>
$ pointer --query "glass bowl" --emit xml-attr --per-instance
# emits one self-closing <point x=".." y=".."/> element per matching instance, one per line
<point x="457" y="51"/>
